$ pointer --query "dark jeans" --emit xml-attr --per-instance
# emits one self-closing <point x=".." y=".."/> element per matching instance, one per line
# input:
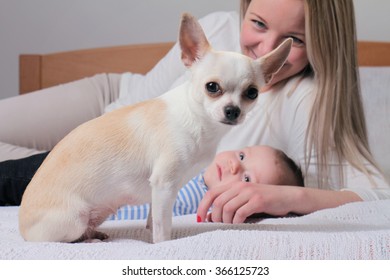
<point x="15" y="176"/>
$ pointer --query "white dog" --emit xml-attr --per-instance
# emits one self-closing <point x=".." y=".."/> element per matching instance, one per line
<point x="145" y="152"/>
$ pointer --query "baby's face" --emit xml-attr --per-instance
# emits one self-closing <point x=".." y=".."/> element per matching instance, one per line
<point x="258" y="164"/>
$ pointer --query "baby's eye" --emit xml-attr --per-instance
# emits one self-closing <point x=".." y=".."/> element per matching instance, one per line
<point x="242" y="156"/>
<point x="247" y="178"/>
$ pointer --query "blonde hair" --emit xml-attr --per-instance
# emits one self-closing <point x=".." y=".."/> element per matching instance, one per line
<point x="337" y="117"/>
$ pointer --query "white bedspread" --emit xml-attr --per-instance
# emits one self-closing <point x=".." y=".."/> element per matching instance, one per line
<point x="354" y="231"/>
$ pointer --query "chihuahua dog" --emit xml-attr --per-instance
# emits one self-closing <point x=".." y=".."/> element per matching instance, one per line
<point x="145" y="152"/>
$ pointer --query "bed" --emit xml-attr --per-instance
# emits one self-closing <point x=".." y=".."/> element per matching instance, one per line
<point x="354" y="231"/>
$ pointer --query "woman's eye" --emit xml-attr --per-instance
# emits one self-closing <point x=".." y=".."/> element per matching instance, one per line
<point x="247" y="178"/>
<point x="297" y="41"/>
<point x="242" y="156"/>
<point x="259" y="24"/>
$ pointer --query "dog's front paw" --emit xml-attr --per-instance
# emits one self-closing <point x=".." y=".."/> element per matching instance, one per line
<point x="160" y="239"/>
<point x="161" y="234"/>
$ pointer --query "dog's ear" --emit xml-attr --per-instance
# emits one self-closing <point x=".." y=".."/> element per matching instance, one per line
<point x="273" y="61"/>
<point x="193" y="41"/>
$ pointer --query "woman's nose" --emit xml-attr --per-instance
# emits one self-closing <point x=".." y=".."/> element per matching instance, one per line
<point x="266" y="46"/>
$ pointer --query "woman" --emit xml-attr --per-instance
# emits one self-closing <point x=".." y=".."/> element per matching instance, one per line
<point x="329" y="129"/>
<point x="311" y="110"/>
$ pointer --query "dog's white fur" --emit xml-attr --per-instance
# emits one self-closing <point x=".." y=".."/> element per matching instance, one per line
<point x="145" y="152"/>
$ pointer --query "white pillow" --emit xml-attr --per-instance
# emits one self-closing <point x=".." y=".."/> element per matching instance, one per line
<point x="9" y="151"/>
<point x="375" y="86"/>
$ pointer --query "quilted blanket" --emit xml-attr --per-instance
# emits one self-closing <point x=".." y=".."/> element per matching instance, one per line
<point x="354" y="231"/>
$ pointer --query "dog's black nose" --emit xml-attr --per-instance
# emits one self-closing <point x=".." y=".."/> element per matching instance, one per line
<point x="232" y="112"/>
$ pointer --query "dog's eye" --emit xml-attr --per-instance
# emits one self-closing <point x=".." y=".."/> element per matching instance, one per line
<point x="252" y="93"/>
<point x="213" y="88"/>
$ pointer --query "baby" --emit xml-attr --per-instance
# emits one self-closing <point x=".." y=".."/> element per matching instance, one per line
<point x="258" y="164"/>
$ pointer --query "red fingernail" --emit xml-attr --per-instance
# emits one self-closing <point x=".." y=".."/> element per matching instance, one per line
<point x="198" y="219"/>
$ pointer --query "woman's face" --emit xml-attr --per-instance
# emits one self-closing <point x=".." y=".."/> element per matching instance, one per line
<point x="266" y="24"/>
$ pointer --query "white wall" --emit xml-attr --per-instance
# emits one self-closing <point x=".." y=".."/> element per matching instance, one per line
<point x="43" y="26"/>
<point x="372" y="19"/>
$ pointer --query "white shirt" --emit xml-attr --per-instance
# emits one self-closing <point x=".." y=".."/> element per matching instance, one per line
<point x="279" y="118"/>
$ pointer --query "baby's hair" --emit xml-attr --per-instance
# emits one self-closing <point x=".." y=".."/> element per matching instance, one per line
<point x="293" y="167"/>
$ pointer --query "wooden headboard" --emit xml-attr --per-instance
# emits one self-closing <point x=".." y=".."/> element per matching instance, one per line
<point x="42" y="71"/>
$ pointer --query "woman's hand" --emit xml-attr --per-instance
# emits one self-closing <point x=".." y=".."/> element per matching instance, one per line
<point x="233" y="203"/>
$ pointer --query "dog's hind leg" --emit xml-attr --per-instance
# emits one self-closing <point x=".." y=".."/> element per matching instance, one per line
<point x="93" y="218"/>
<point x="54" y="226"/>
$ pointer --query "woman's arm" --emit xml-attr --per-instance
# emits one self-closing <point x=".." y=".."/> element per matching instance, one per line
<point x="40" y="119"/>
